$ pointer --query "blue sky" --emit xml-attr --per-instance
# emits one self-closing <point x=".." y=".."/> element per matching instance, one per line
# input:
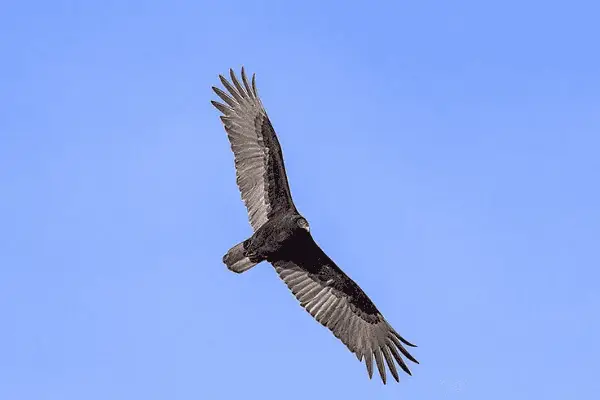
<point x="445" y="154"/>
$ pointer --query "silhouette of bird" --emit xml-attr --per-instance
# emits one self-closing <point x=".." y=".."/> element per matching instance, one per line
<point x="282" y="237"/>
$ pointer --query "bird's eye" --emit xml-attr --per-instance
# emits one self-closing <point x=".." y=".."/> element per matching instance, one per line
<point x="302" y="223"/>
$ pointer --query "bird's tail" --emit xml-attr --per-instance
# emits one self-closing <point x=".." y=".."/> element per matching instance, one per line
<point x="236" y="260"/>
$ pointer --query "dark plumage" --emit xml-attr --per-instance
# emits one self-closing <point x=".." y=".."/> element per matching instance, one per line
<point x="281" y="237"/>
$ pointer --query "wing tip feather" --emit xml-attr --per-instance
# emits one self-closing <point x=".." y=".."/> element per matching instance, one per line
<point x="220" y="106"/>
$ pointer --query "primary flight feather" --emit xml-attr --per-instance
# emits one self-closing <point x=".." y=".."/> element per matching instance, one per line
<point x="282" y="237"/>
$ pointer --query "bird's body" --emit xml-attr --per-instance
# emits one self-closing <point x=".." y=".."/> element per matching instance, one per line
<point x="282" y="237"/>
<point x="272" y="240"/>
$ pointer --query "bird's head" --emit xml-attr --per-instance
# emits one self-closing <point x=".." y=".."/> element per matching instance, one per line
<point x="303" y="223"/>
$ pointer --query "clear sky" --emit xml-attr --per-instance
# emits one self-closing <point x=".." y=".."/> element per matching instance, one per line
<point x="446" y="155"/>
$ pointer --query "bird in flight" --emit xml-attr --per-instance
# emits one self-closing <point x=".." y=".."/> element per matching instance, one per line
<point x="282" y="237"/>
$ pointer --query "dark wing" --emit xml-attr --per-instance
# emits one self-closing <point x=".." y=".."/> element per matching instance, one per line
<point x="260" y="172"/>
<point x="339" y="304"/>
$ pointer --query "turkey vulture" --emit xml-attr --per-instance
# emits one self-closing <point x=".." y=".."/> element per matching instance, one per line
<point x="282" y="238"/>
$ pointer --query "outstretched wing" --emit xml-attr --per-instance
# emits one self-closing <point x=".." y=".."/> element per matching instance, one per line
<point x="339" y="304"/>
<point x="260" y="172"/>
